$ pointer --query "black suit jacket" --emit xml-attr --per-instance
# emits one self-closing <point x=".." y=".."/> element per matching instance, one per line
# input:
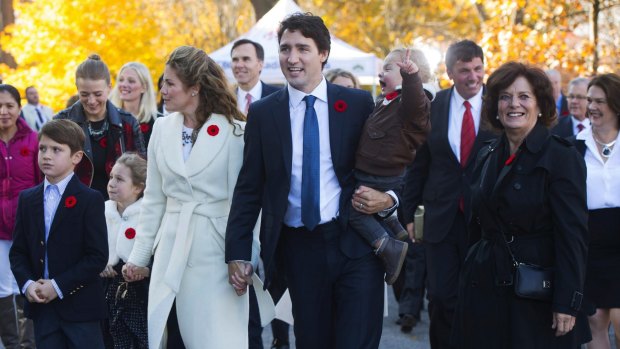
<point x="265" y="177"/>
<point x="268" y="89"/>
<point x="436" y="178"/>
<point x="564" y="128"/>
<point x="77" y="250"/>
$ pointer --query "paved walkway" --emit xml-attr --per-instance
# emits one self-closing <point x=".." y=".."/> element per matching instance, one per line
<point x="392" y="337"/>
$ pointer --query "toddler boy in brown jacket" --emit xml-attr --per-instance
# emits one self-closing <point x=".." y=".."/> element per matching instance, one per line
<point x="393" y="132"/>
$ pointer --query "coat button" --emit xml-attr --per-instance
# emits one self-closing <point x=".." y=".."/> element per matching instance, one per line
<point x="41" y="261"/>
<point x="42" y="243"/>
<point x="519" y="167"/>
<point x="517" y="186"/>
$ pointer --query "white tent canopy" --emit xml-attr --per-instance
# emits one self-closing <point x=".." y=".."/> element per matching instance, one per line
<point x="364" y="65"/>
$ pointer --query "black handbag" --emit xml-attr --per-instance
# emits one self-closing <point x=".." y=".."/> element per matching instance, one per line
<point x="531" y="281"/>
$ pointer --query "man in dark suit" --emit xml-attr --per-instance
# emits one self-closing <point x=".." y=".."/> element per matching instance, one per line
<point x="247" y="63"/>
<point x="561" y="103"/>
<point x="60" y="246"/>
<point x="297" y="167"/>
<point x="577" y="107"/>
<point x="440" y="179"/>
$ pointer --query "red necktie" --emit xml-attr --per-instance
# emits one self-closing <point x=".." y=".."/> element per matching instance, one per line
<point x="248" y="101"/>
<point x="468" y="134"/>
<point x="580" y="127"/>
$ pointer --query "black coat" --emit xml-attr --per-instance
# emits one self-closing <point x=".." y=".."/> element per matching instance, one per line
<point x="540" y="201"/>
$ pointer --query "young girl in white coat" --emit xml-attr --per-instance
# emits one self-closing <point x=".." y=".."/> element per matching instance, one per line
<point x="127" y="302"/>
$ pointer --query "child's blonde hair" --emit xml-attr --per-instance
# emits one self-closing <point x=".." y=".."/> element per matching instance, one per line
<point x="417" y="56"/>
<point x="137" y="165"/>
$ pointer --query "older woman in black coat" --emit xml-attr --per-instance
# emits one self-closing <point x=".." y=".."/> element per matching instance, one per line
<point x="529" y="199"/>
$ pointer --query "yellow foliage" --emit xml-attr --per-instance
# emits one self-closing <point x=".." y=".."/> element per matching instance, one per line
<point x="52" y="37"/>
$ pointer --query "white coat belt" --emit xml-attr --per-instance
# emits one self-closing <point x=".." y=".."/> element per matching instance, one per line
<point x="184" y="236"/>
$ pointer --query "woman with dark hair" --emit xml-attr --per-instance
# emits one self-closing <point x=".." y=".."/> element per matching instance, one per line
<point x="598" y="147"/>
<point x="19" y="149"/>
<point x="109" y="131"/>
<point x="195" y="156"/>
<point x="528" y="207"/>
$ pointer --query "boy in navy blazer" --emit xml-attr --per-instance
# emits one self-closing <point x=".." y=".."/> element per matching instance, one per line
<point x="60" y="246"/>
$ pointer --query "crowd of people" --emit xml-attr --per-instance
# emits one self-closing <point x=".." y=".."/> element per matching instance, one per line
<point x="128" y="224"/>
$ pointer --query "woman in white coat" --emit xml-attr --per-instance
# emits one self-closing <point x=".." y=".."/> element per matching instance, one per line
<point x="194" y="157"/>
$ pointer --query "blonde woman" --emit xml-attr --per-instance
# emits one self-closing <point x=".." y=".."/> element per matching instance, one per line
<point x="134" y="92"/>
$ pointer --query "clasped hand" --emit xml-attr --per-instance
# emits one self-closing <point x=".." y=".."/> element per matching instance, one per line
<point x="41" y="291"/>
<point x="132" y="272"/>
<point x="240" y="276"/>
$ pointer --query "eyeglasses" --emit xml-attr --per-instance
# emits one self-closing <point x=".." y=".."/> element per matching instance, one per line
<point x="579" y="97"/>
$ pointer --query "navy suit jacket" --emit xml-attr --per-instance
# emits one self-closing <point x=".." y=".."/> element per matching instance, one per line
<point x="436" y="178"/>
<point x="77" y="250"/>
<point x="564" y="128"/>
<point x="265" y="177"/>
<point x="268" y="89"/>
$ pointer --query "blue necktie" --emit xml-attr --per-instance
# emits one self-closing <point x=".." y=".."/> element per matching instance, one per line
<point x="310" y="171"/>
<point x="40" y="121"/>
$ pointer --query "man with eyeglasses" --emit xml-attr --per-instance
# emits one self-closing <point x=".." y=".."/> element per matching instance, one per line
<point x="577" y="106"/>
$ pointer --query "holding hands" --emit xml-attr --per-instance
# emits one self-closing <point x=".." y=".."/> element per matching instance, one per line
<point x="133" y="272"/>
<point x="41" y="291"/>
<point x="240" y="276"/>
<point x="108" y="272"/>
<point x="407" y="64"/>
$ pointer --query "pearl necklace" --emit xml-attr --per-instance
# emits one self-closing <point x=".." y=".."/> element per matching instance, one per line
<point x="607" y="147"/>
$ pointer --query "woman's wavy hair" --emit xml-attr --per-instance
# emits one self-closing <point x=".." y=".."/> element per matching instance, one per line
<point x="504" y="76"/>
<point x="195" y="68"/>
<point x="148" y="101"/>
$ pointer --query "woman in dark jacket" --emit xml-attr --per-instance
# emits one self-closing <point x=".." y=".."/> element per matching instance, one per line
<point x="109" y="131"/>
<point x="529" y="199"/>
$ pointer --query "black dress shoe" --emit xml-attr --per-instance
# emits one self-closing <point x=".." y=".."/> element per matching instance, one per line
<point x="407" y="323"/>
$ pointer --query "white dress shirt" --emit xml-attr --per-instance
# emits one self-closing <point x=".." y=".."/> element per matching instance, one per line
<point x="330" y="188"/>
<point x="455" y="119"/>
<point x="603" y="178"/>
<point x="256" y="93"/>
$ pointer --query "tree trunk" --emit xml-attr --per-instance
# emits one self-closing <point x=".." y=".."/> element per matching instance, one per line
<point x="262" y="6"/>
<point x="8" y="17"/>
<point x="594" y="16"/>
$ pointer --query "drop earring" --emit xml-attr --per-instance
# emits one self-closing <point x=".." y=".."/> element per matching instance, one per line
<point x="540" y="115"/>
<point x="497" y="117"/>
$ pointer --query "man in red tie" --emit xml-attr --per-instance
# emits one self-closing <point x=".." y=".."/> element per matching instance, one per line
<point x="577" y="106"/>
<point x="247" y="63"/>
<point x="440" y="177"/>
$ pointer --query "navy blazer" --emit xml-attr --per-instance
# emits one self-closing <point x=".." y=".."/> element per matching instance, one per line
<point x="77" y="250"/>
<point x="265" y="177"/>
<point x="268" y="89"/>
<point x="564" y="128"/>
<point x="436" y="178"/>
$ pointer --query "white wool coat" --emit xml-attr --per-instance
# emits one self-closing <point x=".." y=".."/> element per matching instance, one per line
<point x="182" y="223"/>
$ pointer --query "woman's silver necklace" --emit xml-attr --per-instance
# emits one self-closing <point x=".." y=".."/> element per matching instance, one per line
<point x="607" y="147"/>
<point x="98" y="134"/>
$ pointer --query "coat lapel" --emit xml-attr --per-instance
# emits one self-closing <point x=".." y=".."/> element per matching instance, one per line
<point x="442" y="124"/>
<point x="211" y="138"/>
<point x="171" y="130"/>
<point x="72" y="189"/>
<point x="336" y="124"/>
<point x="282" y="123"/>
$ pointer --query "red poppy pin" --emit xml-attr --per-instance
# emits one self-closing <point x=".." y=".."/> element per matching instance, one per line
<point x="213" y="130"/>
<point x="145" y="128"/>
<point x="340" y="106"/>
<point x="391" y="95"/>
<point x="103" y="142"/>
<point x="24" y="151"/>
<point x="130" y="233"/>
<point x="70" y="201"/>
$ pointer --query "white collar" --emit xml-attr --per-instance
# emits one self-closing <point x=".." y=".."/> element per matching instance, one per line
<point x="255" y="91"/>
<point x="295" y="96"/>
<point x="62" y="185"/>
<point x="475" y="101"/>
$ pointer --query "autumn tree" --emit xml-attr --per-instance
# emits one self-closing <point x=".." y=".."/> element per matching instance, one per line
<point x="50" y="38"/>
